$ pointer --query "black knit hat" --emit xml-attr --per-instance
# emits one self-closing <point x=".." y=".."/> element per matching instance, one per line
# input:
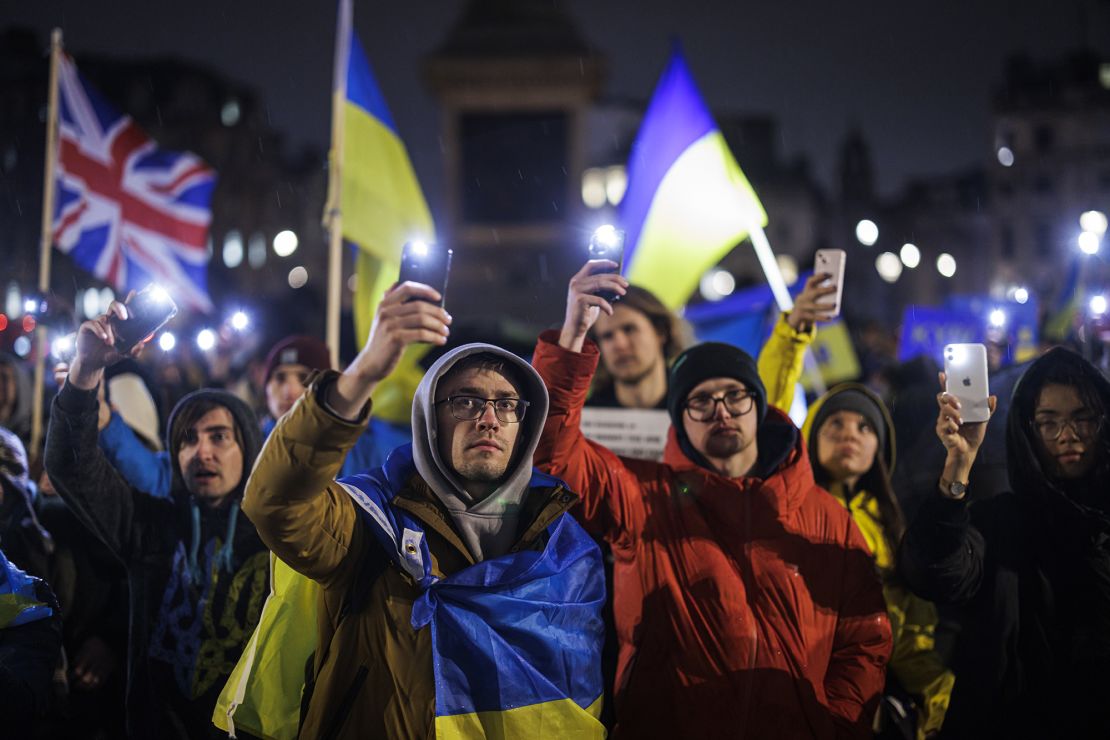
<point x="711" y="360"/>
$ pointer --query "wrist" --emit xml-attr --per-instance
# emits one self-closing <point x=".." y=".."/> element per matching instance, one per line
<point x="571" y="339"/>
<point x="953" y="489"/>
<point x="363" y="371"/>
<point x="83" y="378"/>
<point x="957" y="470"/>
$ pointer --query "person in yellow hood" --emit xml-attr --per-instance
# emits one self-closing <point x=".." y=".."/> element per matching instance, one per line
<point x="850" y="440"/>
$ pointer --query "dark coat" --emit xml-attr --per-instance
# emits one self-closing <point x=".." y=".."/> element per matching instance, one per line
<point x="181" y="632"/>
<point x="1030" y="570"/>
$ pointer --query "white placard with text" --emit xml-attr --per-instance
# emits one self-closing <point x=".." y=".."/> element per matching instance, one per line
<point x="638" y="433"/>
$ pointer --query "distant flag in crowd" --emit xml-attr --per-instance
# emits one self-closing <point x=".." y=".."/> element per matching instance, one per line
<point x="688" y="203"/>
<point x="1060" y="322"/>
<point x="127" y="211"/>
<point x="380" y="199"/>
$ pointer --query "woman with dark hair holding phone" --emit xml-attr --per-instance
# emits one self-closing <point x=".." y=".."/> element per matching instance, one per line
<point x="1029" y="570"/>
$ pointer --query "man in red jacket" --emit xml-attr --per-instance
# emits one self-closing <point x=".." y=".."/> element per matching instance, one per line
<point x="746" y="601"/>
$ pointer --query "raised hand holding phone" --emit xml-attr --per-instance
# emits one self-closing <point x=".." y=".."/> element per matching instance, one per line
<point x="409" y="313"/>
<point x="145" y="313"/>
<point x="96" y="348"/>
<point x="810" y="306"/>
<point x="585" y="302"/>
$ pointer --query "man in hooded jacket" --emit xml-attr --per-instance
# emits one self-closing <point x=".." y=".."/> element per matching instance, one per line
<point x="458" y="598"/>
<point x="746" y="601"/>
<point x="1030" y="568"/>
<point x="197" y="571"/>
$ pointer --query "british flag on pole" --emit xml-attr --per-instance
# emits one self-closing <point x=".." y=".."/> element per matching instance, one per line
<point x="126" y="211"/>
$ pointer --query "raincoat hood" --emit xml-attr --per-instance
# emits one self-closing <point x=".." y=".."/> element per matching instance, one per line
<point x="487" y="526"/>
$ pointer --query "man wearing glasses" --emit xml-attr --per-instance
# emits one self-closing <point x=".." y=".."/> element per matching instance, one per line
<point x="459" y="598"/>
<point x="1029" y="569"/>
<point x="746" y="602"/>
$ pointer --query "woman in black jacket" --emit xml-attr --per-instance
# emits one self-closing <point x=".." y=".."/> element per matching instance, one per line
<point x="1030" y="568"/>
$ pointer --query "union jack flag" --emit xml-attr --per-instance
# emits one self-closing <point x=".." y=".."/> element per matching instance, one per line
<point x="126" y="211"/>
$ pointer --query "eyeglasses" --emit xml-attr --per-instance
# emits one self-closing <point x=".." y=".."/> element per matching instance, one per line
<point x="703" y="407"/>
<point x="469" y="408"/>
<point x="1084" y="427"/>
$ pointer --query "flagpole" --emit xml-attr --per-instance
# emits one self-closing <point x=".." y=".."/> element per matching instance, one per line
<point x="785" y="303"/>
<point x="333" y="215"/>
<point x="46" y="241"/>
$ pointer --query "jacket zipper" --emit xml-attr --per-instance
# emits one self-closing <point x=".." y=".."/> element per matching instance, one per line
<point x="344" y="707"/>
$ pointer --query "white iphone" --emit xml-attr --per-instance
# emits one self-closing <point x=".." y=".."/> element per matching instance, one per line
<point x="831" y="262"/>
<point x="965" y="370"/>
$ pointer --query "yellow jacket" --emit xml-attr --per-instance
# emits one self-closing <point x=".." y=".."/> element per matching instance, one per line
<point x="915" y="663"/>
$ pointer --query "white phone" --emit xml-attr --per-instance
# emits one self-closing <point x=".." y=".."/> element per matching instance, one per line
<point x="831" y="262"/>
<point x="965" y="370"/>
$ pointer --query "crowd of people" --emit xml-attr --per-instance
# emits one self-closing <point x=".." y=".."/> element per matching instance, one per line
<point x="489" y="570"/>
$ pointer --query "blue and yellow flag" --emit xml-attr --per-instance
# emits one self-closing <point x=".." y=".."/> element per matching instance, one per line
<point x="516" y="640"/>
<point x="688" y="203"/>
<point x="19" y="604"/>
<point x="379" y="199"/>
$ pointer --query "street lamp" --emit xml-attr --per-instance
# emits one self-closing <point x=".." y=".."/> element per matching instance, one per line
<point x="946" y="265"/>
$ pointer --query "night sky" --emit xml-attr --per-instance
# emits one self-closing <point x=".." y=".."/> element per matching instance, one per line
<point x="916" y="77"/>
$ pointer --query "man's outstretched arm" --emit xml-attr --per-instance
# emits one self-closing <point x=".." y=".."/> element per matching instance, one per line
<point x="301" y="513"/>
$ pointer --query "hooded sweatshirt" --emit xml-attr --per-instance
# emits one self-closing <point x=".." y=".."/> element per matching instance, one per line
<point x="197" y="577"/>
<point x="1030" y="572"/>
<point x="487" y="526"/>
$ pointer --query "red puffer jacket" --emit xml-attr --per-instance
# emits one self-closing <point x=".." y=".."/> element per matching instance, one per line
<point x="745" y="607"/>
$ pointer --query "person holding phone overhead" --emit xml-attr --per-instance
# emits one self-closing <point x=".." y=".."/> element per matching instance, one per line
<point x="746" y="601"/>
<point x="1029" y="569"/>
<point x="459" y="599"/>
<point x="197" y="571"/>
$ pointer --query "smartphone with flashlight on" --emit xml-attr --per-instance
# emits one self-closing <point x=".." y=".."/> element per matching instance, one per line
<point x="147" y="311"/>
<point x="965" y="372"/>
<point x="607" y="243"/>
<point x="831" y="262"/>
<point x="427" y="264"/>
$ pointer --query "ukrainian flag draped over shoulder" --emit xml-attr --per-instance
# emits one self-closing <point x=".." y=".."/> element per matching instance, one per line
<point x="516" y="643"/>
<point x="688" y="203"/>
<point x="516" y="640"/>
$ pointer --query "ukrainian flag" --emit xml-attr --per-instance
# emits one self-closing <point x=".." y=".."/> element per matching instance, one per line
<point x="516" y="643"/>
<point x="379" y="200"/>
<point x="19" y="604"/>
<point x="688" y="203"/>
